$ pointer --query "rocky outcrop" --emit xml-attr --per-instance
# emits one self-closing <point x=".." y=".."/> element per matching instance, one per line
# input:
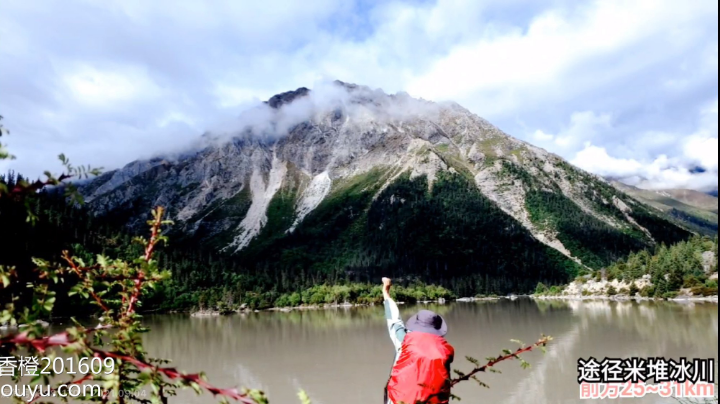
<point x="601" y="287"/>
<point x="262" y="192"/>
<point x="279" y="100"/>
<point x="709" y="261"/>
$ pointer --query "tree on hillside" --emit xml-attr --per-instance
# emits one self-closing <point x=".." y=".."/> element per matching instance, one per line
<point x="671" y="269"/>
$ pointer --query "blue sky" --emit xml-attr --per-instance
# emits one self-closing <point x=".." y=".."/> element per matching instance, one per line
<point x="622" y="88"/>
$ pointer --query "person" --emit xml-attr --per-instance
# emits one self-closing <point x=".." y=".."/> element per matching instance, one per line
<point x="421" y="369"/>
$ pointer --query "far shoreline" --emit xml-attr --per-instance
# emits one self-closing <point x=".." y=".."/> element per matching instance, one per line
<point x="616" y="298"/>
<point x="625" y="298"/>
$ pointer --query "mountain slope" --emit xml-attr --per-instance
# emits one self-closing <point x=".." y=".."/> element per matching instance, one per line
<point x="696" y="210"/>
<point x="694" y="198"/>
<point x="348" y="181"/>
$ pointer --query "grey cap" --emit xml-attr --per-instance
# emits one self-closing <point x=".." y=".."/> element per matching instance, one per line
<point x="429" y="322"/>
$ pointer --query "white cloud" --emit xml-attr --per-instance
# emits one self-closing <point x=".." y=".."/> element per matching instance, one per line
<point x="499" y="72"/>
<point x="688" y="160"/>
<point x="541" y="136"/>
<point x="597" y="160"/>
<point x="627" y="76"/>
<point x="584" y="127"/>
<point x="662" y="173"/>
<point x="94" y="87"/>
<point x="698" y="150"/>
<point x="230" y="96"/>
<point x="702" y="150"/>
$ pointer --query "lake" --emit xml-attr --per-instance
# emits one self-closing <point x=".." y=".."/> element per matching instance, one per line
<point x="343" y="356"/>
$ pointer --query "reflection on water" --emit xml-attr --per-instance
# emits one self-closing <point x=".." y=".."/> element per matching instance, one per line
<point x="343" y="356"/>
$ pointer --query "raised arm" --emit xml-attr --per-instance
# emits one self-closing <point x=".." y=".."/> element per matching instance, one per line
<point x="396" y="326"/>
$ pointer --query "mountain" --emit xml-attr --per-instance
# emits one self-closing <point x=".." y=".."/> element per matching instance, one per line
<point x="345" y="182"/>
<point x="694" y="209"/>
<point x="693" y="198"/>
<point x="713" y="193"/>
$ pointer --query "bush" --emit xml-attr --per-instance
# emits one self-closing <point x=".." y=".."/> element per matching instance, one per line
<point x="317" y="298"/>
<point x="670" y="295"/>
<point x="541" y="289"/>
<point x="692" y="281"/>
<point x="282" y="301"/>
<point x="711" y="283"/>
<point x="612" y="291"/>
<point x="634" y="290"/>
<point x="647" y="291"/>
<point x="294" y="299"/>
<point x="581" y="280"/>
<point x="224" y="308"/>
<point x="704" y="291"/>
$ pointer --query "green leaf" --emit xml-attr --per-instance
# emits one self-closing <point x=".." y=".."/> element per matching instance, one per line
<point x="41" y="263"/>
<point x="49" y="303"/>
<point x="304" y="399"/>
<point x="473" y="361"/>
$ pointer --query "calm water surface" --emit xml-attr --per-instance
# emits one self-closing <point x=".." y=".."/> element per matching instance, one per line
<point x="344" y="356"/>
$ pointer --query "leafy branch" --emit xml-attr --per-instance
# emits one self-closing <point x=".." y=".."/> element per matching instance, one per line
<point x="116" y="288"/>
<point x="4" y="154"/>
<point x="25" y="190"/>
<point x="491" y="362"/>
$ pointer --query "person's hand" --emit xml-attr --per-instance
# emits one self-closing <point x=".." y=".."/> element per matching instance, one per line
<point x="387" y="282"/>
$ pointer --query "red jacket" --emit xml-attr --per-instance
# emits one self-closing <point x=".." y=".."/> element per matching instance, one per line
<point x="421" y="374"/>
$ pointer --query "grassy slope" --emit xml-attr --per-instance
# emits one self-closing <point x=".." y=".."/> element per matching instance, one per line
<point x="694" y="198"/>
<point x="694" y="209"/>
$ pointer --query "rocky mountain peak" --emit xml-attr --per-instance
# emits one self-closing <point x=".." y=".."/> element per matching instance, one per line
<point x="278" y="100"/>
<point x="339" y="141"/>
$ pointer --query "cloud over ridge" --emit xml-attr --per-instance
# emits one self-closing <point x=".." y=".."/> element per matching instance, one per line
<point x="622" y="88"/>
